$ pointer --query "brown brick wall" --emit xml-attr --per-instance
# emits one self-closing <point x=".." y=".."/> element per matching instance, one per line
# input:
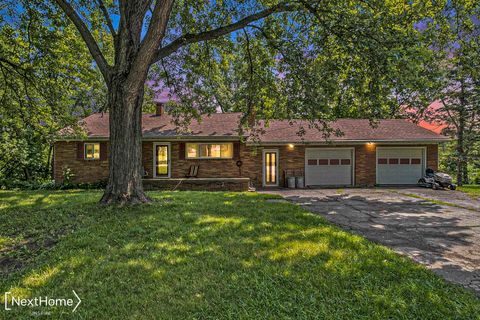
<point x="84" y="171"/>
<point x="289" y="158"/>
<point x="365" y="161"/>
<point x="432" y="156"/>
<point x="208" y="168"/>
<point x="147" y="156"/>
<point x="365" y="165"/>
<point x="294" y="159"/>
<point x="251" y="156"/>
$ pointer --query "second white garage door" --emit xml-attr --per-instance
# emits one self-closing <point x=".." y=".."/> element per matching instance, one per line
<point x="397" y="166"/>
<point x="329" y="167"/>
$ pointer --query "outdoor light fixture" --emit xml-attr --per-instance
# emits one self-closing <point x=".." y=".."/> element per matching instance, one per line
<point x="370" y="145"/>
<point x="291" y="146"/>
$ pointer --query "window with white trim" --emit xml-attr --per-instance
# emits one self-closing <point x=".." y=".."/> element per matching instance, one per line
<point x="209" y="150"/>
<point x="92" y="151"/>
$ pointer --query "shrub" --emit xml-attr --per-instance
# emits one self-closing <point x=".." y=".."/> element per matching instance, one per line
<point x="67" y="175"/>
<point x="48" y="185"/>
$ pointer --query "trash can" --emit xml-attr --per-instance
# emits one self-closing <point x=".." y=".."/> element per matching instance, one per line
<point x="300" y="182"/>
<point x="291" y="182"/>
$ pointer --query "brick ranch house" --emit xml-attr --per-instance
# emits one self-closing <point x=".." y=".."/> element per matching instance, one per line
<point x="395" y="152"/>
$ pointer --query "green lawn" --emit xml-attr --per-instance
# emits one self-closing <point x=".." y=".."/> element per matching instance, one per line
<point x="193" y="255"/>
<point x="473" y="190"/>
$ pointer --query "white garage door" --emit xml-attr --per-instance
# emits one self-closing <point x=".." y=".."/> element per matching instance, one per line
<point x="400" y="165"/>
<point x="328" y="167"/>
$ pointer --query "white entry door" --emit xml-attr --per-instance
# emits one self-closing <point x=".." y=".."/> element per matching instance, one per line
<point x="397" y="165"/>
<point x="329" y="166"/>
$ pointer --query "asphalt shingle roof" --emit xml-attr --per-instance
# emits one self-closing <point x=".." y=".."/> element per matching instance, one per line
<point x="225" y="125"/>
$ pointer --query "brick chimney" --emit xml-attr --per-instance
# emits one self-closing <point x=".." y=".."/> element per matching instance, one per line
<point x="159" y="109"/>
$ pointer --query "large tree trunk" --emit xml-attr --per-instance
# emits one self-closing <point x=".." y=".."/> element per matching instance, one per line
<point x="49" y="168"/>
<point x="465" y="173"/>
<point x="460" y="153"/>
<point x="125" y="156"/>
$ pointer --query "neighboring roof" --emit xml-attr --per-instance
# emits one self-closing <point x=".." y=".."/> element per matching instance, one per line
<point x="225" y="126"/>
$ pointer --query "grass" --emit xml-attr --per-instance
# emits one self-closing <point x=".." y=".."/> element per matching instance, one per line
<point x="472" y="190"/>
<point x="194" y="255"/>
<point x="430" y="200"/>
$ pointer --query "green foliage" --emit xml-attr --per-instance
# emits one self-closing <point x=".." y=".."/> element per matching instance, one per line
<point x="38" y="184"/>
<point x="455" y="44"/>
<point x="67" y="175"/>
<point x="326" y="60"/>
<point x="48" y="81"/>
<point x="199" y="255"/>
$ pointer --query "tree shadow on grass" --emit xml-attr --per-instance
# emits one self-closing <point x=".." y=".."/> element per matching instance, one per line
<point x="234" y="256"/>
<point x="45" y="199"/>
<point x="448" y="244"/>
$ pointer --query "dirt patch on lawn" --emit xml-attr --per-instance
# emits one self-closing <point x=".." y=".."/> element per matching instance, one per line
<point x="22" y="254"/>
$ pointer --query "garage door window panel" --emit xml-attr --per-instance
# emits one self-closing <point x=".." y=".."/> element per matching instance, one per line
<point x="382" y="161"/>
<point x="393" y="161"/>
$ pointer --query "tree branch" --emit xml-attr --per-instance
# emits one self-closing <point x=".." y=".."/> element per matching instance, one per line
<point x="447" y="109"/>
<point x="218" y="32"/>
<point x="107" y="18"/>
<point x="87" y="37"/>
<point x="158" y="25"/>
<point x="155" y="33"/>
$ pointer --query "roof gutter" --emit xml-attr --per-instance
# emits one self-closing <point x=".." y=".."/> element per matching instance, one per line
<point x="261" y="143"/>
<point x="345" y="142"/>
<point x="159" y="138"/>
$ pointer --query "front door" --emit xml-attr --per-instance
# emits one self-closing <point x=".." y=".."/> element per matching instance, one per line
<point x="162" y="160"/>
<point x="270" y="168"/>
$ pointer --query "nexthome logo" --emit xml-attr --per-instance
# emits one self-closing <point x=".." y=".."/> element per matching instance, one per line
<point x="36" y="302"/>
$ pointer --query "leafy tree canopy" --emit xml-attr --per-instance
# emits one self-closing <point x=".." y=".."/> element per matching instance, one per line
<point x="47" y="81"/>
<point x="455" y="46"/>
<point x="305" y="59"/>
<point x="321" y="60"/>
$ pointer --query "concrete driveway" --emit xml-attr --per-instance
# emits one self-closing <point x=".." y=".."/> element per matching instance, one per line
<point x="444" y="238"/>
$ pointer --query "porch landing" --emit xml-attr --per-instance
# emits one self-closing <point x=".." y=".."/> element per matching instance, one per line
<point x="197" y="184"/>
